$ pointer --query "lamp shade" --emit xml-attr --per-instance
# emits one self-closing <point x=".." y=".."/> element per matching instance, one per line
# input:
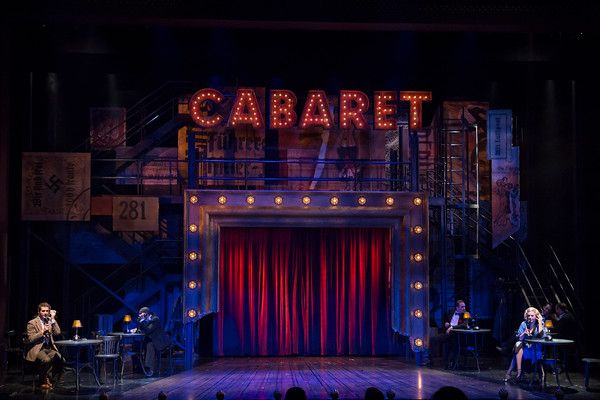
<point x="466" y="315"/>
<point x="77" y="324"/>
<point x="549" y="324"/>
<point x="127" y="318"/>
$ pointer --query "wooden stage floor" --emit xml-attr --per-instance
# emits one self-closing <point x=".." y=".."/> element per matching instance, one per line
<point x="258" y="378"/>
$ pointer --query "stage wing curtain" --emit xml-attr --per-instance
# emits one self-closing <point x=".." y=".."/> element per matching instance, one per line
<point x="285" y="291"/>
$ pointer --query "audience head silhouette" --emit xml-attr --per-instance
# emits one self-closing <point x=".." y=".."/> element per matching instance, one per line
<point x="295" y="393"/>
<point x="277" y="395"/>
<point x="559" y="394"/>
<point x="220" y="395"/>
<point x="449" y="393"/>
<point x="103" y="396"/>
<point x="162" y="396"/>
<point x="503" y="394"/>
<point x="373" y="393"/>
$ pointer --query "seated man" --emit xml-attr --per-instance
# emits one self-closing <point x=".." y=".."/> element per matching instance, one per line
<point x="156" y="339"/>
<point x="454" y="319"/>
<point x="548" y="313"/>
<point x="566" y="326"/>
<point x="40" y="345"/>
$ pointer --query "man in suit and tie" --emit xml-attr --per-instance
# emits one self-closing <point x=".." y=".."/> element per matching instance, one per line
<point x="156" y="339"/>
<point x="40" y="345"/>
<point x="454" y="319"/>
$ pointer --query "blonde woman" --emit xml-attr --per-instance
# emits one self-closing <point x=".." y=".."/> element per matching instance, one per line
<point x="531" y="327"/>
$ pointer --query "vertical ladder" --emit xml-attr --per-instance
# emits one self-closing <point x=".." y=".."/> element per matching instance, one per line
<point x="460" y="209"/>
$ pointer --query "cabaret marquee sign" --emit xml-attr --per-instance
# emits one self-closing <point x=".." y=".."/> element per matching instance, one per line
<point x="207" y="111"/>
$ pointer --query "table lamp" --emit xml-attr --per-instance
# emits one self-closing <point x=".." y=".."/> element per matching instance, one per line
<point x="127" y="320"/>
<point x="549" y="325"/>
<point x="467" y="319"/>
<point x="76" y="325"/>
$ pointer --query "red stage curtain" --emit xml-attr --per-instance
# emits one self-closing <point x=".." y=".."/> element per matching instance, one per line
<point x="287" y="291"/>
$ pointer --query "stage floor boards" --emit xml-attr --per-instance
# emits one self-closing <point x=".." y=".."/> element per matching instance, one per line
<point x="258" y="378"/>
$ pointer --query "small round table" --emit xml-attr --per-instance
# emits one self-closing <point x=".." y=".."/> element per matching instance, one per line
<point x="470" y="333"/>
<point x="554" y="343"/>
<point x="78" y="344"/>
<point x="132" y="337"/>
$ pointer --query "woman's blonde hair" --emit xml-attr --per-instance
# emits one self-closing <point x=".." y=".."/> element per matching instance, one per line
<point x="530" y="309"/>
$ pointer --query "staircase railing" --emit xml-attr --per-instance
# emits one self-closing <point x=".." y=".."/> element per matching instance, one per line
<point x="211" y="174"/>
<point x="54" y="249"/>
<point x="117" y="273"/>
<point x="143" y="112"/>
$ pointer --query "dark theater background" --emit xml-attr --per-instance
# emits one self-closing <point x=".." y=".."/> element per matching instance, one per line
<point x="349" y="229"/>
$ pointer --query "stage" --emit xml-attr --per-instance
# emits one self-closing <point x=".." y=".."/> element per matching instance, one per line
<point x="258" y="378"/>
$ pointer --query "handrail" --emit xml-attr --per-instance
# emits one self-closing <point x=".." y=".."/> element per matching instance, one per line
<point x="153" y="94"/>
<point x="125" y="284"/>
<point x="532" y="273"/>
<point x="155" y="244"/>
<point x="114" y="272"/>
<point x="574" y="308"/>
<point x="561" y="268"/>
<point x="568" y="300"/>
<point x="378" y="175"/>
<point x="128" y="282"/>
<point x="151" y="116"/>
<point x="81" y="270"/>
<point x="137" y="110"/>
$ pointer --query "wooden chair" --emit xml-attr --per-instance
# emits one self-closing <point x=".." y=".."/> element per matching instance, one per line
<point x="586" y="372"/>
<point x="168" y="351"/>
<point x="28" y="367"/>
<point x="14" y="351"/>
<point x="109" y="351"/>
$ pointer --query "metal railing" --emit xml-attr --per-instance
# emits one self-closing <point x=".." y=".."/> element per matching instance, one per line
<point x="143" y="115"/>
<point x="172" y="173"/>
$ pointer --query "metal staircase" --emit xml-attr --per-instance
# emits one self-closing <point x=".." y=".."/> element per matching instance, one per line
<point x="460" y="186"/>
<point x="124" y="270"/>
<point x="454" y="211"/>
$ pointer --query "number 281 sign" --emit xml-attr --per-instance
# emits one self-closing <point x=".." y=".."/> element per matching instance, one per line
<point x="135" y="213"/>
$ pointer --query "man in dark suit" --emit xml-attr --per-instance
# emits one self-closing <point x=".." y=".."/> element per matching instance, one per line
<point x="156" y="339"/>
<point x="40" y="345"/>
<point x="454" y="319"/>
<point x="566" y="326"/>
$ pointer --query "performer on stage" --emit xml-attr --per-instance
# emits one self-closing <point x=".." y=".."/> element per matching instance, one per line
<point x="531" y="327"/>
<point x="40" y="345"/>
<point x="548" y="313"/>
<point x="156" y="339"/>
<point x="566" y="326"/>
<point x="454" y="319"/>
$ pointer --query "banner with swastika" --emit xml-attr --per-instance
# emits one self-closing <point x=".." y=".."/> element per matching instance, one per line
<point x="55" y="187"/>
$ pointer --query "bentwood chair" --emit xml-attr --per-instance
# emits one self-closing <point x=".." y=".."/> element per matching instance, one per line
<point x="168" y="352"/>
<point x="14" y="353"/>
<point x="109" y="351"/>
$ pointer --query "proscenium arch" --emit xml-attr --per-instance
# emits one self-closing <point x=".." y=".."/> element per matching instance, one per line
<point x="206" y="211"/>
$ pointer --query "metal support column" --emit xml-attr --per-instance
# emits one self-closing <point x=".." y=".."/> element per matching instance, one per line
<point x="192" y="161"/>
<point x="414" y="161"/>
<point x="189" y="345"/>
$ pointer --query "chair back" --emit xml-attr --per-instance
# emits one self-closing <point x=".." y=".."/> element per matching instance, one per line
<point x="110" y="345"/>
<point x="25" y="344"/>
<point x="11" y="340"/>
